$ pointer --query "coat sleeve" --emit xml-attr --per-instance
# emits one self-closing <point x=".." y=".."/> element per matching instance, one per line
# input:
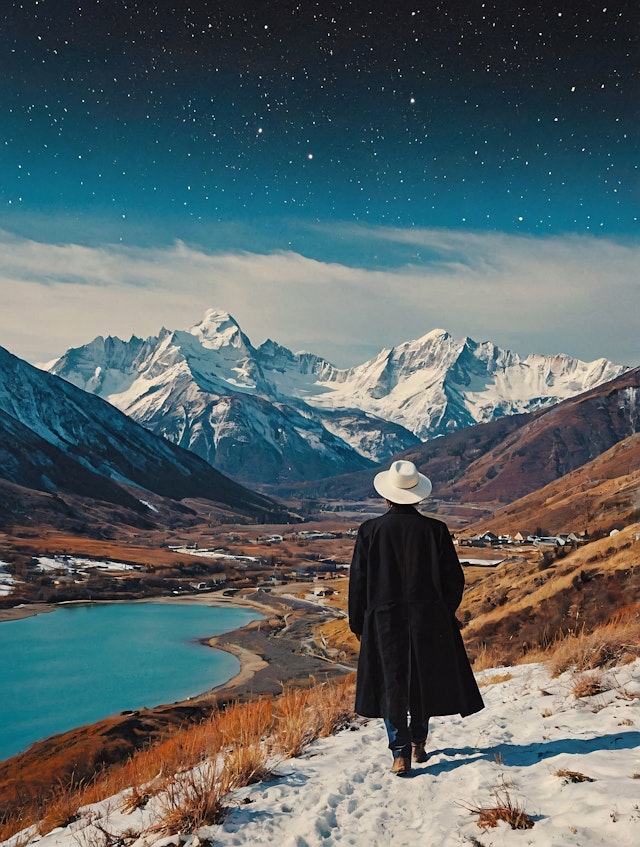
<point x="358" y="584"/>
<point x="451" y="573"/>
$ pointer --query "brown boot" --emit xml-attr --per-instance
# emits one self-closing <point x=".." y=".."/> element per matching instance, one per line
<point x="419" y="753"/>
<point x="401" y="766"/>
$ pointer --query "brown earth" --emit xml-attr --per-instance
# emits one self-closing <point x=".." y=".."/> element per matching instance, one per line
<point x="532" y="600"/>
<point x="602" y="495"/>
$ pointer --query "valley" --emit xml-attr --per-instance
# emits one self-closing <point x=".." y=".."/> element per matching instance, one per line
<point x="95" y="507"/>
<point x="521" y="601"/>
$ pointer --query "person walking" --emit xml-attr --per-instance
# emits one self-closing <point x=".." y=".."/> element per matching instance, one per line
<point x="405" y="585"/>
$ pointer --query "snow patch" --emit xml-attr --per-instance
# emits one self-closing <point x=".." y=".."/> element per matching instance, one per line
<point x="77" y="564"/>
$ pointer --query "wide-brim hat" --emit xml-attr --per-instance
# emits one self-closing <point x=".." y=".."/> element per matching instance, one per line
<point x="402" y="483"/>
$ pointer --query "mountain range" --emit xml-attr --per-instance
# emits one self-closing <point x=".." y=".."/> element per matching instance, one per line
<point x="57" y="442"/>
<point x="266" y="415"/>
<point x="576" y="463"/>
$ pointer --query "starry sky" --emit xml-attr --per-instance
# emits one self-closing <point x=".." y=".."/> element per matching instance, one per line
<point x="339" y="176"/>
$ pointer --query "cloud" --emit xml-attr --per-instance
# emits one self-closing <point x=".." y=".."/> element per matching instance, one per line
<point x="575" y="294"/>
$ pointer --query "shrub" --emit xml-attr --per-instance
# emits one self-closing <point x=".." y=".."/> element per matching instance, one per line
<point x="505" y="809"/>
<point x="573" y="776"/>
<point x="192" y="800"/>
<point x="589" y="685"/>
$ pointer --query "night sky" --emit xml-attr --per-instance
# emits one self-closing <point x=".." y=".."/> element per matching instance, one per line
<point x="239" y="125"/>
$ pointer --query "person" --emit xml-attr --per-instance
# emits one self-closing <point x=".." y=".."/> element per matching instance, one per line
<point x="405" y="585"/>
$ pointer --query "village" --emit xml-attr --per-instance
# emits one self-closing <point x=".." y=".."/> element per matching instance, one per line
<point x="232" y="560"/>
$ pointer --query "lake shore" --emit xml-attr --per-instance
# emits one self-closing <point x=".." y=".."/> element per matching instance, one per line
<point x="16" y="613"/>
<point x="275" y="651"/>
<point x="250" y="662"/>
<point x="235" y="642"/>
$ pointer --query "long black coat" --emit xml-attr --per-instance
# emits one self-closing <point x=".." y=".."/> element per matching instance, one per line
<point x="405" y="585"/>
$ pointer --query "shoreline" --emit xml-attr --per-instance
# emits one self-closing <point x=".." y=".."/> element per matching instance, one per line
<point x="22" y="611"/>
<point x="274" y="651"/>
<point x="250" y="662"/>
<point x="277" y="651"/>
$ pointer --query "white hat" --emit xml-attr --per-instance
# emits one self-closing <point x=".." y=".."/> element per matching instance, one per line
<point x="402" y="483"/>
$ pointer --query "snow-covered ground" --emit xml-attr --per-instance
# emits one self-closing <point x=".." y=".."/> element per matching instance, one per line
<point x="340" y="792"/>
<point x="7" y="582"/>
<point x="216" y="554"/>
<point x="74" y="564"/>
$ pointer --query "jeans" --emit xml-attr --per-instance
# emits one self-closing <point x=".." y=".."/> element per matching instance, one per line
<point x="403" y="733"/>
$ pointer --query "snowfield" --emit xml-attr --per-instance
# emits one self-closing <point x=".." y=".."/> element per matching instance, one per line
<point x="340" y="792"/>
<point x="77" y="564"/>
<point x="7" y="582"/>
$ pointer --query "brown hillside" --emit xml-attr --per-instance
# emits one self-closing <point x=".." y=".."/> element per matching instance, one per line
<point x="554" y="443"/>
<point x="506" y="459"/>
<point x="444" y="460"/>
<point x="526" y="604"/>
<point x="602" y="495"/>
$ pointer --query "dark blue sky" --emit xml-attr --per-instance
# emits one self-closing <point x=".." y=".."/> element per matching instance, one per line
<point x="339" y="176"/>
<point x="161" y="116"/>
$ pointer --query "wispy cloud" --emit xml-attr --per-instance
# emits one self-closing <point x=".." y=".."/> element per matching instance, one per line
<point x="575" y="294"/>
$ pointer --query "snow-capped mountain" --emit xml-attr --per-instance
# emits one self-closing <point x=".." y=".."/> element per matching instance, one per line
<point x="436" y="384"/>
<point x="240" y="408"/>
<point x="54" y="438"/>
<point x="269" y="415"/>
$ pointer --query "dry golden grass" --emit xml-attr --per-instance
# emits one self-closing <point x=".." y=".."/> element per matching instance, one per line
<point x="63" y="809"/>
<point x="244" y="732"/>
<point x="495" y="679"/>
<point x="296" y="724"/>
<point x="614" y="642"/>
<point x="193" y="799"/>
<point x="505" y="808"/>
<point x="194" y="769"/>
<point x="588" y="685"/>
<point x="333" y="702"/>
<point x="489" y="656"/>
<point x="573" y="776"/>
<point x="243" y="725"/>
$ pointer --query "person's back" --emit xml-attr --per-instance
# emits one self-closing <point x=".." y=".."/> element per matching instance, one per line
<point x="411" y="559"/>
<point x="405" y="584"/>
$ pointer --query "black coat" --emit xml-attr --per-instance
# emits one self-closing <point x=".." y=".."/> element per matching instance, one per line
<point x="405" y="585"/>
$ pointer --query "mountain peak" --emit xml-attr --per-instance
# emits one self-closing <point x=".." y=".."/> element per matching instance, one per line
<point x="431" y="338"/>
<point x="268" y="414"/>
<point x="219" y="329"/>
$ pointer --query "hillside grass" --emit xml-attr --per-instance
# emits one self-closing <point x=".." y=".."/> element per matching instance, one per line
<point x="193" y="769"/>
<point x="525" y="608"/>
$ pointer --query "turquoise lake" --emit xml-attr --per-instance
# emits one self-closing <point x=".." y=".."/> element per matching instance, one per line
<point x="82" y="663"/>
